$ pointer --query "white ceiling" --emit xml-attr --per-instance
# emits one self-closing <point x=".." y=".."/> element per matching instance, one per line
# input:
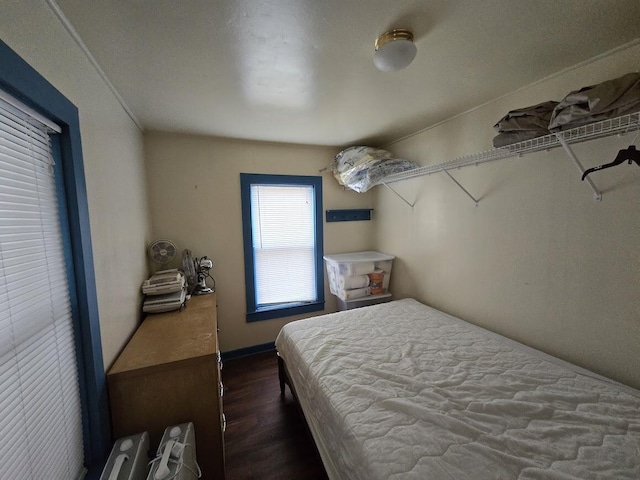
<point x="301" y="71"/>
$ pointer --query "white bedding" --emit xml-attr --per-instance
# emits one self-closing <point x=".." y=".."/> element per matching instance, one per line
<point x="403" y="391"/>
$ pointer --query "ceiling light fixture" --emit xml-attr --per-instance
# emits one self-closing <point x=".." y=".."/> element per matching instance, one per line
<point x="395" y="50"/>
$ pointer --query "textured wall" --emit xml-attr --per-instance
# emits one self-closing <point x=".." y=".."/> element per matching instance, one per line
<point x="194" y="194"/>
<point x="538" y="260"/>
<point x="113" y="162"/>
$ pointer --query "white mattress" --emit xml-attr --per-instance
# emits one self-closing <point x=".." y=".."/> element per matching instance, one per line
<point x="403" y="391"/>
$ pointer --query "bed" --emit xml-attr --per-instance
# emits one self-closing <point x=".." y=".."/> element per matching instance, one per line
<point x="403" y="391"/>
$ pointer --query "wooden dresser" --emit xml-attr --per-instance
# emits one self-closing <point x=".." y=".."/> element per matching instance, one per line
<point x="169" y="373"/>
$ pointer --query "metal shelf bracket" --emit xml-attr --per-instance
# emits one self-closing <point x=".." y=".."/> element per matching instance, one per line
<point x="400" y="196"/>
<point x="596" y="193"/>
<point x="476" y="202"/>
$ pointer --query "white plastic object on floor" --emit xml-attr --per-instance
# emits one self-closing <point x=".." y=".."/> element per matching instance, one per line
<point x="129" y="459"/>
<point x="176" y="455"/>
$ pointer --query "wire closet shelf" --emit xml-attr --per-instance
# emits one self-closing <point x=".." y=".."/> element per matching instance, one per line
<point x="605" y="128"/>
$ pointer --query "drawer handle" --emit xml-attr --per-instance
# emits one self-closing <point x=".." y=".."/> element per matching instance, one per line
<point x="221" y="390"/>
<point x="224" y="423"/>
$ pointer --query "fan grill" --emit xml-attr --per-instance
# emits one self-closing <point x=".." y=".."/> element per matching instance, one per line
<point x="162" y="251"/>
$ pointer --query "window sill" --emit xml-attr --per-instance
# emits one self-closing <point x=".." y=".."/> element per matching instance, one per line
<point x="284" y="311"/>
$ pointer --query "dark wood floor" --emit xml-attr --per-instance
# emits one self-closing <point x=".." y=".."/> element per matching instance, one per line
<point x="266" y="436"/>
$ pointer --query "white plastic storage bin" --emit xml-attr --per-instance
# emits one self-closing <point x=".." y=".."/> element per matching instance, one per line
<point x="351" y="275"/>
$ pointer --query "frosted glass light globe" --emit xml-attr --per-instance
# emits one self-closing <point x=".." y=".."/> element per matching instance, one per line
<point x="395" y="50"/>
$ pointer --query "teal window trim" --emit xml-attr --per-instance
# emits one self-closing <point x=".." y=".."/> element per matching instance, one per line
<point x="255" y="312"/>
<point x="19" y="79"/>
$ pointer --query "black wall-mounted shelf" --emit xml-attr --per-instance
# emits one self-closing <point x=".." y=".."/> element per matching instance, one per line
<point x="349" y="215"/>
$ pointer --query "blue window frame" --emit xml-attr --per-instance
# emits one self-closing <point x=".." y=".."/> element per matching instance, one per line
<point x="282" y="220"/>
<point x="19" y="79"/>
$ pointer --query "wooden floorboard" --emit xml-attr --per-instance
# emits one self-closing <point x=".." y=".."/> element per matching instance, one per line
<point x="266" y="437"/>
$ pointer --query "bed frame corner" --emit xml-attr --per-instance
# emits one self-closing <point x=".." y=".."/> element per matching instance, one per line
<point x="282" y="374"/>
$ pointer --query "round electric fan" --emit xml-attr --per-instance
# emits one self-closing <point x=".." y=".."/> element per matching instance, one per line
<point x="162" y="251"/>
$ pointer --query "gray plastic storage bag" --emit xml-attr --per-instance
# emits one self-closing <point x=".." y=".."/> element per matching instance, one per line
<point x="610" y="99"/>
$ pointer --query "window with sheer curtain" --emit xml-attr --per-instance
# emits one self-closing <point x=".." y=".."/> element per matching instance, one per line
<point x="283" y="244"/>
<point x="40" y="409"/>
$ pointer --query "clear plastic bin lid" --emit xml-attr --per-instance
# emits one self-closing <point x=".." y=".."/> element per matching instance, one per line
<point x="355" y="257"/>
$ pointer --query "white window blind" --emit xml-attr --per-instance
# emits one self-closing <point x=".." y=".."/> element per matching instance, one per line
<point x="283" y="232"/>
<point x="40" y="412"/>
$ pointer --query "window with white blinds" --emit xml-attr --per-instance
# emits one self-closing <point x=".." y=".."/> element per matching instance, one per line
<point x="283" y="234"/>
<point x="40" y="410"/>
<point x="283" y="253"/>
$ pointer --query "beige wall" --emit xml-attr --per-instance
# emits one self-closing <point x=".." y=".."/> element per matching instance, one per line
<point x="113" y="161"/>
<point x="194" y="195"/>
<point x="538" y="260"/>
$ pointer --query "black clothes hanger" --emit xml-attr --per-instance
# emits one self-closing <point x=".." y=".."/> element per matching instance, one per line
<point x="630" y="154"/>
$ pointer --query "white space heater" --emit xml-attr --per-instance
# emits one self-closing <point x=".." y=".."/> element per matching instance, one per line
<point x="176" y="456"/>
<point x="129" y="459"/>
